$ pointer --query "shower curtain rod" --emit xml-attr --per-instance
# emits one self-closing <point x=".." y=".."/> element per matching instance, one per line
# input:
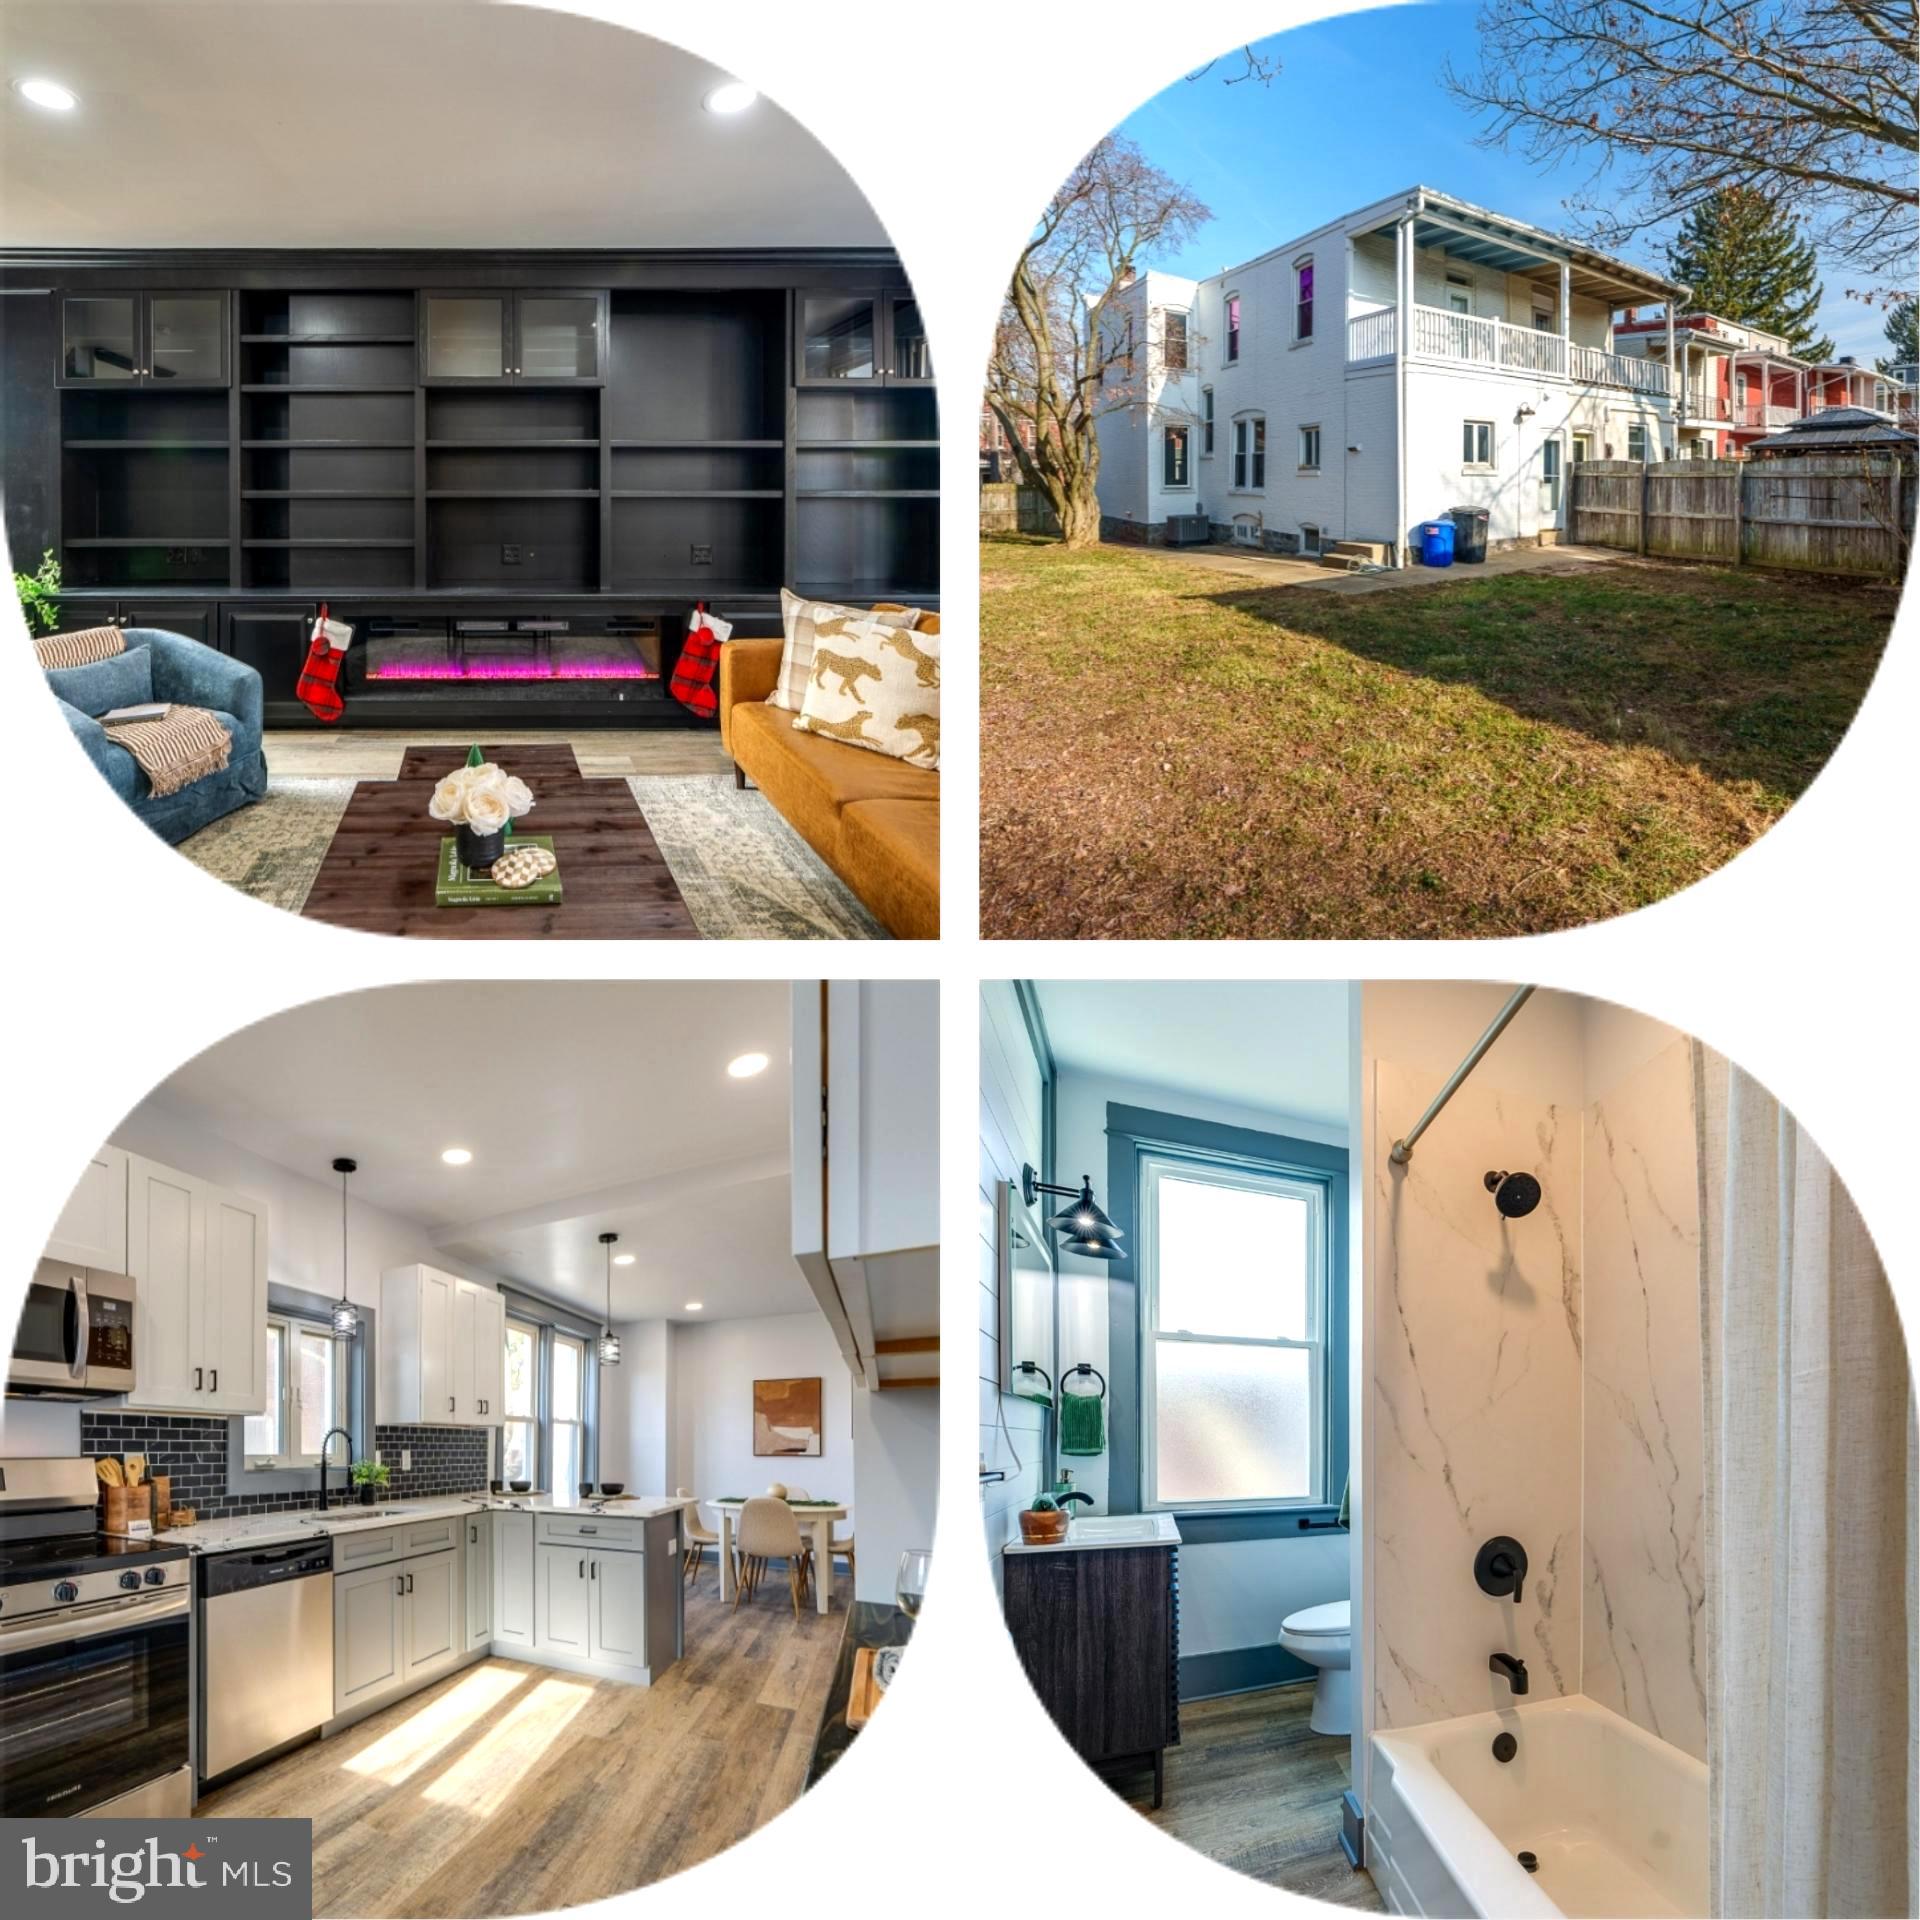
<point x="1403" y="1149"/>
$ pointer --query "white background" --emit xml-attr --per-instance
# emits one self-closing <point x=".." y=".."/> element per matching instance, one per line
<point x="1797" y="960"/>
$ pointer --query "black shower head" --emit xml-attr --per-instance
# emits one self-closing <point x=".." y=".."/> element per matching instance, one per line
<point x="1515" y="1194"/>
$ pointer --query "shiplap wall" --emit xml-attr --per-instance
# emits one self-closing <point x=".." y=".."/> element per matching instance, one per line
<point x="1012" y="1439"/>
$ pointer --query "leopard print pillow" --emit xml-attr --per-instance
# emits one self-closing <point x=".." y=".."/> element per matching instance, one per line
<point x="805" y="621"/>
<point x="877" y="686"/>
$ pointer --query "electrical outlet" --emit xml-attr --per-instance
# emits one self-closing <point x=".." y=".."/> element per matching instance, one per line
<point x="509" y="556"/>
<point x="700" y="556"/>
<point x="406" y="1459"/>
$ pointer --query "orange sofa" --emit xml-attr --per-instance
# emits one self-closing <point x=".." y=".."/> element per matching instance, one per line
<point x="874" y="820"/>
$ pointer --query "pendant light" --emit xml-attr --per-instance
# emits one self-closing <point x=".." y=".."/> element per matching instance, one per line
<point x="346" y="1316"/>
<point x="609" y="1348"/>
<point x="1085" y="1229"/>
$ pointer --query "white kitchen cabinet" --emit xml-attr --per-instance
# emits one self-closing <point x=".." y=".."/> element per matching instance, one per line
<point x="369" y="1647"/>
<point x="198" y="1257"/>
<point x="513" y="1613"/>
<point x="92" y="1228"/>
<point x="433" y="1632"/>
<point x="479" y="1553"/>
<point x="617" y="1623"/>
<point x="442" y="1349"/>
<point x="562" y="1606"/>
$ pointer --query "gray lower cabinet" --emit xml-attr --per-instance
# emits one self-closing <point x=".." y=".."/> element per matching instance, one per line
<point x="479" y="1552"/>
<point x="434" y="1630"/>
<point x="617" y="1615"/>
<point x="367" y="1645"/>
<point x="562" y="1606"/>
<point x="513" y="1579"/>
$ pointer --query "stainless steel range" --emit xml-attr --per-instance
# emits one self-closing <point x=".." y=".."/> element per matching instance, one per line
<point x="95" y="1636"/>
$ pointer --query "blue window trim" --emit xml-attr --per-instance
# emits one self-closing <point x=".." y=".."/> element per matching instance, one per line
<point x="1130" y="1132"/>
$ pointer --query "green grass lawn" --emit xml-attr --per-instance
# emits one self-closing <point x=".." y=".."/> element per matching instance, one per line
<point x="1171" y="753"/>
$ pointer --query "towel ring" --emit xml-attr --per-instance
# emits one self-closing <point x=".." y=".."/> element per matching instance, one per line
<point x="1073" y="1373"/>
<point x="1033" y="1366"/>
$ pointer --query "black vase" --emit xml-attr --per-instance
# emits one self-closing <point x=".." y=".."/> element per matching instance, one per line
<point x="368" y="1493"/>
<point x="478" y="851"/>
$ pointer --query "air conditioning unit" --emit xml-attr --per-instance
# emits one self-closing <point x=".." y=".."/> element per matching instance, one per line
<point x="1188" y="529"/>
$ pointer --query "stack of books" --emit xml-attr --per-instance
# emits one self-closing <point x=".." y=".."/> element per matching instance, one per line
<point x="456" y="885"/>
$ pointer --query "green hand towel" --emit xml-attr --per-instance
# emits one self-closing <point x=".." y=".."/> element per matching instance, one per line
<point x="1083" y="1423"/>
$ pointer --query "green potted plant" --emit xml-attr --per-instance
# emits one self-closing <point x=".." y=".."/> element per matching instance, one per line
<point x="39" y="594"/>
<point x="1044" y="1524"/>
<point x="371" y="1477"/>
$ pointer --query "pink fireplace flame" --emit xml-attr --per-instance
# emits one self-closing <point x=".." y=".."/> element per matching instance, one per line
<point x="514" y="670"/>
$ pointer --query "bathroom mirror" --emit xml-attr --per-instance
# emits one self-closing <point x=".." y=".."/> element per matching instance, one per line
<point x="1027" y="1366"/>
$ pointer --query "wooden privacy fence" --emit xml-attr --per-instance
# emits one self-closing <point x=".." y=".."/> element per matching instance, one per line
<point x="1823" y="513"/>
<point x="1007" y="508"/>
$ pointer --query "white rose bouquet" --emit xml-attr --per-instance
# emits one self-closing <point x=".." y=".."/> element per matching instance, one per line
<point x="480" y="796"/>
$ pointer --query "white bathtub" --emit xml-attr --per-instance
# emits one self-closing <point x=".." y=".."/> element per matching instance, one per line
<point x="1616" y="1819"/>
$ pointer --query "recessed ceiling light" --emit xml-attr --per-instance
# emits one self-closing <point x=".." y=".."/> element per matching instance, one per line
<point x="731" y="96"/>
<point x="694" y="1306"/>
<point x="58" y="99"/>
<point x="624" y="1259"/>
<point x="456" y="1156"/>
<point x="747" y="1065"/>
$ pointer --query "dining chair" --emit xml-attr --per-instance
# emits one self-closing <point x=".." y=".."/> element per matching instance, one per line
<point x="767" y="1530"/>
<point x="698" y="1536"/>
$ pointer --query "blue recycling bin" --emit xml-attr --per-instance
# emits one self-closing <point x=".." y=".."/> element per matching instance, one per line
<point x="1436" y="543"/>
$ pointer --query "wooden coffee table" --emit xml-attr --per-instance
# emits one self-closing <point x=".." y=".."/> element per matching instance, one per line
<point x="378" y="873"/>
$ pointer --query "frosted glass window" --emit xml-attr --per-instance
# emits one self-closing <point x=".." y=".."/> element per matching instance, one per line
<point x="1232" y="1261"/>
<point x="1233" y="1423"/>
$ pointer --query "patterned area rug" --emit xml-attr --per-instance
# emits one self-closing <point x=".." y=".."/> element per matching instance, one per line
<point x="745" y="874"/>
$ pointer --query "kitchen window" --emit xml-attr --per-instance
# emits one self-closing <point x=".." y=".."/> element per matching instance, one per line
<point x="1233" y="328"/>
<point x="1309" y="449"/>
<point x="1235" y="1282"/>
<point x="1303" y="300"/>
<point x="1476" y="443"/>
<point x="1173" y="461"/>
<point x="520" y="1431"/>
<point x="550" y="1431"/>
<point x="569" y="1412"/>
<point x="1174" y="341"/>
<point x="1206" y="422"/>
<point x="306" y="1395"/>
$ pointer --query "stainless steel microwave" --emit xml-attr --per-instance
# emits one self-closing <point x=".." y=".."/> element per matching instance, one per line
<point x="75" y="1338"/>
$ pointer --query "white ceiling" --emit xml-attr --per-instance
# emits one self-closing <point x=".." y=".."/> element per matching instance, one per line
<point x="391" y="123"/>
<point x="1281" y="1046"/>
<point x="588" y="1106"/>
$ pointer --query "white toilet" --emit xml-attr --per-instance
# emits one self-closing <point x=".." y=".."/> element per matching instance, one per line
<point x="1323" y="1638"/>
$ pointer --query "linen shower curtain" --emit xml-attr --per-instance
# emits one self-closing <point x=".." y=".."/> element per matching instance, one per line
<point x="1809" y="1527"/>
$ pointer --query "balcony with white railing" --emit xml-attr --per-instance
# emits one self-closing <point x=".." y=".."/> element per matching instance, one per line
<point x="1476" y="340"/>
<point x="1755" y="418"/>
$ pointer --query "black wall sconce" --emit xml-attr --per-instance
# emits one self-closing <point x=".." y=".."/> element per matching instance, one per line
<point x="1085" y="1228"/>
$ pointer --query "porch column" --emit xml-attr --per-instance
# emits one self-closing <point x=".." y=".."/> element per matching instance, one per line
<point x="1403" y="311"/>
<point x="1403" y="284"/>
<point x="1566" y="319"/>
<point x="1676" y="380"/>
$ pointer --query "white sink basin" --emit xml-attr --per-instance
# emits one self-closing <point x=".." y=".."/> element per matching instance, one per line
<point x="358" y="1517"/>
<point x="1116" y="1529"/>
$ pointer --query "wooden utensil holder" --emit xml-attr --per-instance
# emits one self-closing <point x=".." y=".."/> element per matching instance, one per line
<point x="122" y="1506"/>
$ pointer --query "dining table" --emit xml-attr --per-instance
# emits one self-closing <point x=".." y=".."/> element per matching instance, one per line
<point x="816" y="1518"/>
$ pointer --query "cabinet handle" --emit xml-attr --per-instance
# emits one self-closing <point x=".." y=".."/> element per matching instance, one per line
<point x="449" y="1403"/>
<point x="399" y="1583"/>
<point x="199" y="1379"/>
<point x="582" y="1574"/>
<point x="409" y="1583"/>
<point x="473" y="1536"/>
<point x="216" y="1381"/>
<point x="593" y="1569"/>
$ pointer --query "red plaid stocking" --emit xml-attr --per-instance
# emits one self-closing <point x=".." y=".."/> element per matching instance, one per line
<point x="319" y="683"/>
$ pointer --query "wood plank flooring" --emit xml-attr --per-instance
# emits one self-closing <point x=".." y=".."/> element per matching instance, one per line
<point x="1252" y="1786"/>
<point x="374" y="753"/>
<point x="510" y="1788"/>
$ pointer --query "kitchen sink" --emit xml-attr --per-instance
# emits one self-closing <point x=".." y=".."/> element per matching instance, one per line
<point x="359" y="1517"/>
<point x="1116" y="1529"/>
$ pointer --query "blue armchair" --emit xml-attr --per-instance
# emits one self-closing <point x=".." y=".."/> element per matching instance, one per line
<point x="185" y="672"/>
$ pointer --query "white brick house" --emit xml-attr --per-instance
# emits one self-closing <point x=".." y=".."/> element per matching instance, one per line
<point x="1416" y="355"/>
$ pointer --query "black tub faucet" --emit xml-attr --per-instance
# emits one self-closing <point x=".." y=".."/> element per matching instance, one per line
<point x="1513" y="1671"/>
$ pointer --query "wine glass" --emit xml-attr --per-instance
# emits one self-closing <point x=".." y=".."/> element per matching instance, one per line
<point x="910" y="1583"/>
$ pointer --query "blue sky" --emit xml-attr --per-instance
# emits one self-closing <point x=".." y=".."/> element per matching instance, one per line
<point x="1356" y="112"/>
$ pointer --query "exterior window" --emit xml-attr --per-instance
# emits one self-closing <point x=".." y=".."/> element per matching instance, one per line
<point x="1543" y="316"/>
<point x="1240" y="454"/>
<point x="1233" y="329"/>
<point x="1309" y="537"/>
<point x="519" y="1450"/>
<point x="1476" y="443"/>
<point x="1259" y="452"/>
<point x="306" y="1395"/>
<point x="569" y="1411"/>
<point x="1303" y="301"/>
<point x="1309" y="448"/>
<point x="1175" y="335"/>
<point x="1173" y="468"/>
<point x="1459" y="293"/>
<point x="1206" y="420"/>
<point x="1637" y="440"/>
<point x="1234" y="1288"/>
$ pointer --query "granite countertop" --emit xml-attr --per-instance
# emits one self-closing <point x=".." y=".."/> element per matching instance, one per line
<point x="269" y="1529"/>
<point x="870" y="1623"/>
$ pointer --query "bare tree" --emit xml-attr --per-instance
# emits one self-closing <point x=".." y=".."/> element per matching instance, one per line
<point x="1809" y="102"/>
<point x="1064" y="353"/>
<point x="1247" y="64"/>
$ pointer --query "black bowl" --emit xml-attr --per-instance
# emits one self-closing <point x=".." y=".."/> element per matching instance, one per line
<point x="521" y="1486"/>
<point x="613" y="1489"/>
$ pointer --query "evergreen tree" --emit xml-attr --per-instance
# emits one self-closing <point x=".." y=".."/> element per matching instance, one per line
<point x="1745" y="260"/>
<point x="1903" y="335"/>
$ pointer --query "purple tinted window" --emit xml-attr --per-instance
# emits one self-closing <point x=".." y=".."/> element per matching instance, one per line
<point x="1233" y="329"/>
<point x="1303" y="311"/>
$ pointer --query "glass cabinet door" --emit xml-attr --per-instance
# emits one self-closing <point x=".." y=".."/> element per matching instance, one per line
<point x="187" y="338"/>
<point x="99" y="338"/>
<point x="839" y="338"/>
<point x="559" y="337"/>
<point x="466" y="336"/>
<point x="908" y="360"/>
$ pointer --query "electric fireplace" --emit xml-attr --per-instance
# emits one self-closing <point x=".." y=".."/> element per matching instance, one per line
<point x="517" y="654"/>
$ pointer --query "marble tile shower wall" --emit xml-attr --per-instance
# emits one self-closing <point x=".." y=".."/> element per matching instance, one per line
<point x="1476" y="1341"/>
<point x="1645" y="1584"/>
<point x="192" y="1453"/>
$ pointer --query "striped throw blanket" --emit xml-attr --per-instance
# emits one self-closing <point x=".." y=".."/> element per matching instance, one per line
<point x="173" y="752"/>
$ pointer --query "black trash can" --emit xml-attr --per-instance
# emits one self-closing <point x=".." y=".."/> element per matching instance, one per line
<point x="1469" y="534"/>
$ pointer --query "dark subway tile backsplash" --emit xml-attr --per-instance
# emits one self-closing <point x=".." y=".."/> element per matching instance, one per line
<point x="192" y="1453"/>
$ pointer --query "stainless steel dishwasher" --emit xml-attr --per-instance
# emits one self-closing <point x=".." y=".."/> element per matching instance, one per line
<point x="266" y="1651"/>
